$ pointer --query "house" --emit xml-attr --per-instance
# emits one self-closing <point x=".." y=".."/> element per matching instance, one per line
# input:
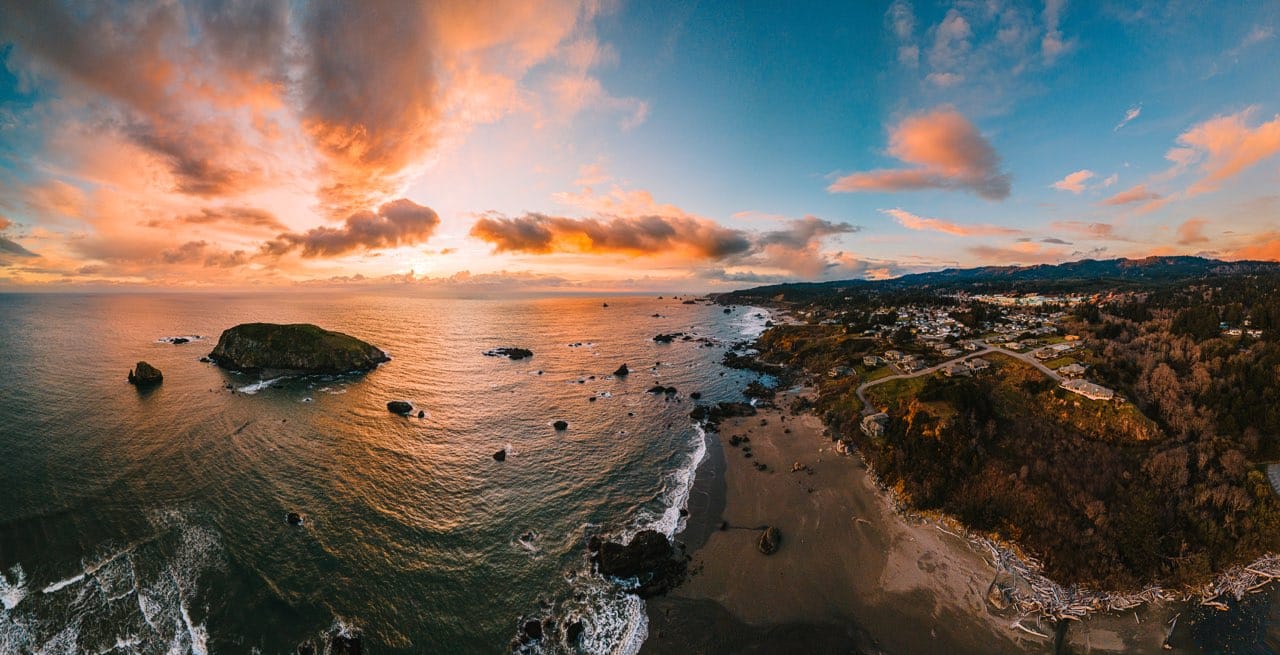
<point x="1063" y="348"/>
<point x="955" y="370"/>
<point x="874" y="425"/>
<point x="893" y="355"/>
<point x="1045" y="354"/>
<point x="1088" y="389"/>
<point x="977" y="364"/>
<point x="951" y="352"/>
<point x="840" y="372"/>
<point x="872" y="361"/>
<point x="1072" y="370"/>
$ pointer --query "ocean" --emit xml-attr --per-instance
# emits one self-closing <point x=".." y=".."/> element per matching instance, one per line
<point x="154" y="521"/>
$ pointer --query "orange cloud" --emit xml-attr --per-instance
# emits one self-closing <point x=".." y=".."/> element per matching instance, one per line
<point x="914" y="222"/>
<point x="1096" y="231"/>
<point x="1131" y="195"/>
<point x="1226" y="145"/>
<point x="947" y="151"/>
<point x="1192" y="231"/>
<point x="639" y="235"/>
<point x="1074" y="182"/>
<point x="1024" y="252"/>
<point x="400" y="222"/>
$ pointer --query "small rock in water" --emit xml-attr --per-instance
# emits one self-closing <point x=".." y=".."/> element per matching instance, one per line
<point x="509" y="352"/>
<point x="770" y="539"/>
<point x="622" y="371"/>
<point x="345" y="645"/>
<point x="592" y="399"/>
<point x="422" y="414"/>
<point x="560" y="425"/>
<point x="293" y="518"/>
<point x="179" y="340"/>
<point x="500" y="456"/>
<point x="574" y="632"/>
<point x="205" y="360"/>
<point x="533" y="629"/>
<point x="697" y="395"/>
<point x="145" y="375"/>
<point x="400" y="407"/>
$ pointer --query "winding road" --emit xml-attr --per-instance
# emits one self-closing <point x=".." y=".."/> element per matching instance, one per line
<point x="868" y="409"/>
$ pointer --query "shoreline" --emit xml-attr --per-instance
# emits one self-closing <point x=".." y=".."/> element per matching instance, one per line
<point x="853" y="574"/>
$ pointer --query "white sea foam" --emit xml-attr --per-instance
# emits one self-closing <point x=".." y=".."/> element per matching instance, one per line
<point x="255" y="387"/>
<point x="63" y="584"/>
<point x="13" y="591"/>
<point x="675" y="493"/>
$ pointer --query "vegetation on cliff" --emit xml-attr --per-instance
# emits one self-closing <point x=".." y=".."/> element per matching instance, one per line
<point x="299" y="348"/>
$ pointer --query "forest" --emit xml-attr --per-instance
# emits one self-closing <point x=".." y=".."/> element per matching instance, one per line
<point x="1168" y="489"/>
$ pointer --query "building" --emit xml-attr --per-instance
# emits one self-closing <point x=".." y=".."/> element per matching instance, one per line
<point x="1088" y="389"/>
<point x="872" y="361"/>
<point x="977" y="364"/>
<point x="1072" y="370"/>
<point x="874" y="425"/>
<point x="892" y="355"/>
<point x="955" y="369"/>
<point x="840" y="372"/>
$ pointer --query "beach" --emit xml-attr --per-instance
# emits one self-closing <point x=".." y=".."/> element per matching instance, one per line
<point x="851" y="574"/>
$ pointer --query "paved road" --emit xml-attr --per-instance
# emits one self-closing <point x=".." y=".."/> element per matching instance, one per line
<point x="1026" y="357"/>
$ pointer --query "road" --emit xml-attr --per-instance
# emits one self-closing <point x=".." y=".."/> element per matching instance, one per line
<point x="867" y="408"/>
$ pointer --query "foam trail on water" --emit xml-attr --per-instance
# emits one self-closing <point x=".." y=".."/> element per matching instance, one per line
<point x="63" y="584"/>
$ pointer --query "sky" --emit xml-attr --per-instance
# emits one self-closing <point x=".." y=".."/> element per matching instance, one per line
<point x="615" y="145"/>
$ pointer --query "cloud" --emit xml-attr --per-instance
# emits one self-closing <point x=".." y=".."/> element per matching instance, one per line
<point x="12" y="248"/>
<point x="1055" y="240"/>
<point x="1052" y="45"/>
<point x="639" y="235"/>
<point x="1224" y="146"/>
<point x="1137" y="193"/>
<point x="947" y="152"/>
<point x="1130" y="114"/>
<point x="1074" y="182"/>
<point x="238" y="217"/>
<point x="1192" y="231"/>
<point x="945" y="79"/>
<point x="1019" y="253"/>
<point x="346" y="100"/>
<point x="902" y="22"/>
<point x="1111" y="180"/>
<point x="1095" y="231"/>
<point x="399" y="222"/>
<point x="5" y="223"/>
<point x="914" y="222"/>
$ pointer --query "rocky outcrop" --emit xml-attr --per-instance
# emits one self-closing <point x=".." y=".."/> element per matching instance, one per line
<point x="668" y="338"/>
<point x="401" y="407"/>
<point x="345" y="645"/>
<point x="711" y="415"/>
<point x="770" y="540"/>
<point x="510" y="353"/>
<point x="646" y="567"/>
<point x="145" y="375"/>
<point x="271" y="348"/>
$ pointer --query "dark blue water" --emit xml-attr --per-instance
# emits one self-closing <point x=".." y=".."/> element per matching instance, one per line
<point x="153" y="522"/>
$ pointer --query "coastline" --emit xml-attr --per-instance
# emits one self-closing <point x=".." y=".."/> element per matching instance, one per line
<point x="852" y="574"/>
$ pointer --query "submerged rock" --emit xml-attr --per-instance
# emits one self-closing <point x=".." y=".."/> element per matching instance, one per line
<point x="145" y="375"/>
<point x="400" y="407"/>
<point x="296" y="348"/>
<point x="345" y="645"/>
<point x="510" y="353"/>
<point x="770" y="539"/>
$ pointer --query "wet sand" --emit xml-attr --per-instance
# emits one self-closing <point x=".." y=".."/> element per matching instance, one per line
<point x="852" y="575"/>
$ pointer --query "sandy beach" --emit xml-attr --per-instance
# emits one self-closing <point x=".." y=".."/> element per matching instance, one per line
<point x="851" y="575"/>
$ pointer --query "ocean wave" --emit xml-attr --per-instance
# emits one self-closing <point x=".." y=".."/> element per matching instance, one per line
<point x="135" y="598"/>
<point x="12" y="592"/>
<point x="255" y="387"/>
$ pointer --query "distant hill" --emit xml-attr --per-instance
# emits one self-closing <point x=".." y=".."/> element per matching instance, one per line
<point x="1083" y="275"/>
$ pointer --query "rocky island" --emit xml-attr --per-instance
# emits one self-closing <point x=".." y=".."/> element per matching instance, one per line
<point x="272" y="349"/>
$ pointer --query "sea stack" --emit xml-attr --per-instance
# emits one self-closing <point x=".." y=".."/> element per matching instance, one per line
<point x="272" y="349"/>
<point x="145" y="375"/>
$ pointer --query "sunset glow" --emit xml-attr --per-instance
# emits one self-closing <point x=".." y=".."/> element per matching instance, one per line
<point x="588" y="145"/>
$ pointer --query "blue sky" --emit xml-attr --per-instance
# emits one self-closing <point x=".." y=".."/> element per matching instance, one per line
<point x="628" y="145"/>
